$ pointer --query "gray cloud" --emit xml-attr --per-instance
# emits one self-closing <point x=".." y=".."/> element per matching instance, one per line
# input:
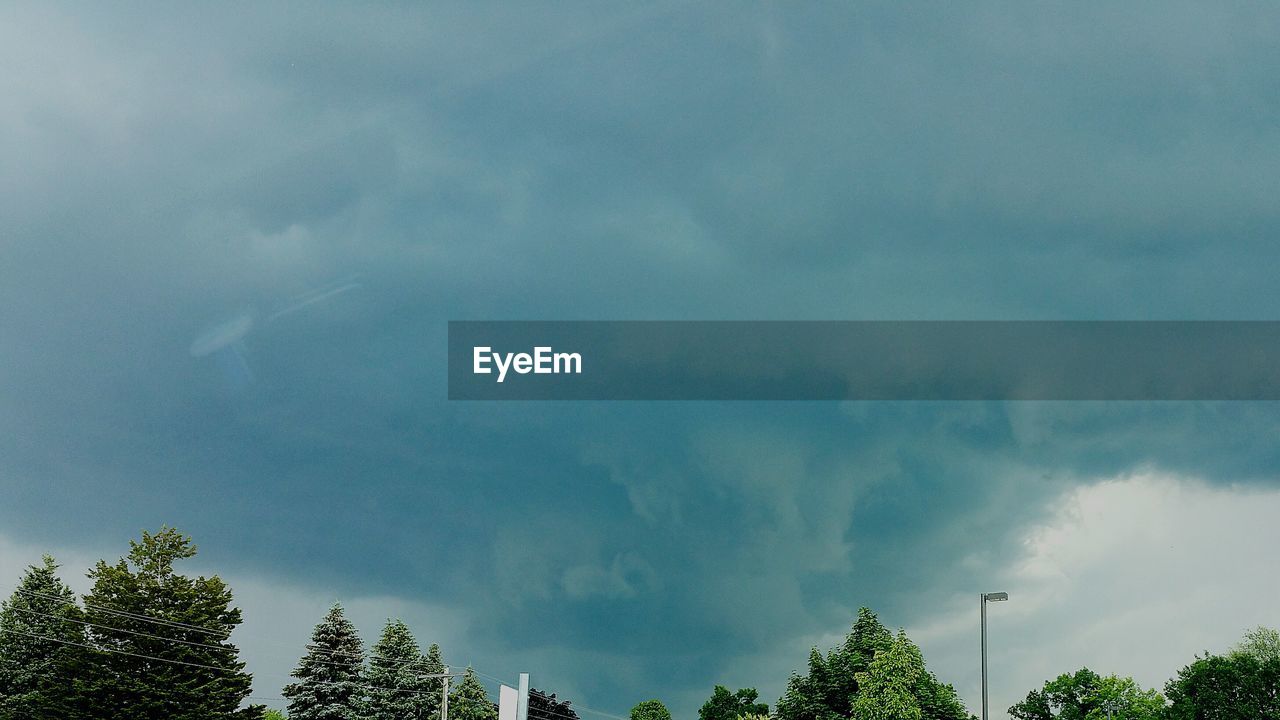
<point x="167" y="170"/>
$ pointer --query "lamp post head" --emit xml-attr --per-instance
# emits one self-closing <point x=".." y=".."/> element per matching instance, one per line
<point x="995" y="597"/>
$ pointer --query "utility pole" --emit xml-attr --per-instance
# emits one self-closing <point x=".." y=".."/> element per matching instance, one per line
<point x="444" y="701"/>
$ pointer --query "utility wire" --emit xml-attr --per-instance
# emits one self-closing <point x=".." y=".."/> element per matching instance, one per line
<point x="130" y="632"/>
<point x="132" y="615"/>
<point x="207" y="667"/>
<point x="187" y="626"/>
<point x="225" y="634"/>
<point x="117" y="652"/>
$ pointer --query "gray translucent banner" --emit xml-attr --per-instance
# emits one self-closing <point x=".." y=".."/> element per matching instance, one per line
<point x="875" y="360"/>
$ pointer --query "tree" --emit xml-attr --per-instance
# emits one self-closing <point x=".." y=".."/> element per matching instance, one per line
<point x="1084" y="695"/>
<point x="330" y="675"/>
<point x="887" y="688"/>
<point x="273" y="715"/>
<point x="826" y="692"/>
<point x="650" y="710"/>
<point x="828" y="689"/>
<point x="164" y="638"/>
<point x="42" y="648"/>
<point x="1237" y="686"/>
<point x="470" y="701"/>
<point x="545" y="707"/>
<point x="1261" y="642"/>
<point x="432" y="687"/>
<point x="397" y="688"/>
<point x="725" y="705"/>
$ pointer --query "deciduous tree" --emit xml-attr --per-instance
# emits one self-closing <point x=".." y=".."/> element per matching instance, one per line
<point x="650" y="710"/>
<point x="165" y="638"/>
<point x="887" y="688"/>
<point x="726" y="705"/>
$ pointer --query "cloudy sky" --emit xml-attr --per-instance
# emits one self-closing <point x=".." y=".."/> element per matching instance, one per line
<point x="328" y="186"/>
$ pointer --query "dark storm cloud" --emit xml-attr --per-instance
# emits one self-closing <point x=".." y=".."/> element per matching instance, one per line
<point x="170" y="171"/>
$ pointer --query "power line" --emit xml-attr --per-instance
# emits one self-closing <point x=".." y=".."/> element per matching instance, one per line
<point x="117" y="652"/>
<point x="599" y="712"/>
<point x="168" y="639"/>
<point x="130" y="632"/>
<point x="226" y="635"/>
<point x="203" y="666"/>
<point x="187" y="626"/>
<point x="134" y="616"/>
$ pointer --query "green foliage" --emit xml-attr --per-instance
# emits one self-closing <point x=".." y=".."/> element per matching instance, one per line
<point x="470" y="701"/>
<point x="432" y="663"/>
<point x="200" y="676"/>
<point x="1263" y="643"/>
<point x="1238" y="686"/>
<point x="1085" y="695"/>
<point x="650" y="710"/>
<point x="725" y="705"/>
<point x="331" y="673"/>
<point x="545" y="707"/>
<point x="397" y="688"/>
<point x="887" y="688"/>
<point x="40" y="668"/>
<point x="273" y="715"/>
<point x="828" y="689"/>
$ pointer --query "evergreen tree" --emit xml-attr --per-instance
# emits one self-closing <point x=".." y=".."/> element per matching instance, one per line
<point x="331" y="674"/>
<point x="433" y="687"/>
<point x="887" y="688"/>
<point x="42" y="649"/>
<point x="470" y="701"/>
<point x="397" y="688"/>
<point x="164" y="638"/>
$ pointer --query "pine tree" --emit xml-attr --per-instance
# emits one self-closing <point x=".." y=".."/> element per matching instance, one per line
<point x="42" y="649"/>
<point x="181" y="667"/>
<point x="397" y="688"/>
<point x="887" y="686"/>
<point x="470" y="701"/>
<point x="331" y="674"/>
<point x="433" y="687"/>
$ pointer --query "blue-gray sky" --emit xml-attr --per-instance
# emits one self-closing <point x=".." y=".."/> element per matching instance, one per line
<point x="169" y="170"/>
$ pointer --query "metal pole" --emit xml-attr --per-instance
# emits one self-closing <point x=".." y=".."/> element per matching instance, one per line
<point x="444" y="701"/>
<point x="982" y="598"/>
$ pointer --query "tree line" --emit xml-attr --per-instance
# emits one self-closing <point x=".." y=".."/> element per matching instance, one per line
<point x="879" y="675"/>
<point x="148" y="643"/>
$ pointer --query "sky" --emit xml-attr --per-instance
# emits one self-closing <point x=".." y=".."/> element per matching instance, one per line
<point x="317" y="190"/>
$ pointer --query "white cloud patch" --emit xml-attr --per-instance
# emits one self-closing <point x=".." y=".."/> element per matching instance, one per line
<point x="1133" y="575"/>
<point x="627" y="576"/>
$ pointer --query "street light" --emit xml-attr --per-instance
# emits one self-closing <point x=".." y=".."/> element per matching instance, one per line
<point x="986" y="598"/>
